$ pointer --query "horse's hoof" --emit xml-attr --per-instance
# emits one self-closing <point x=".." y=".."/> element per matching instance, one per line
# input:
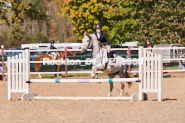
<point x="59" y="76"/>
<point x="93" y="76"/>
<point x="96" y="77"/>
<point x="109" y="94"/>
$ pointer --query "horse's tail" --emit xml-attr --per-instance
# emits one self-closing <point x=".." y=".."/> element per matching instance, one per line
<point x="124" y="74"/>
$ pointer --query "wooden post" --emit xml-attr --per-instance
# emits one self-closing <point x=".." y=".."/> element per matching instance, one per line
<point x="66" y="62"/>
<point x="2" y="48"/>
<point x="129" y="58"/>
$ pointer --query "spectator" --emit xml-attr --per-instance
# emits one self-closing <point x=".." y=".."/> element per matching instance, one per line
<point x="127" y="62"/>
<point x="148" y="43"/>
<point x="181" y="62"/>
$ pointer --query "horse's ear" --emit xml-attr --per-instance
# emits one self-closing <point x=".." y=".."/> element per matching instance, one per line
<point x="87" y="34"/>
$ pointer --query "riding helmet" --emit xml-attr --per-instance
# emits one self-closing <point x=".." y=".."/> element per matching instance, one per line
<point x="52" y="41"/>
<point x="148" y="38"/>
<point x="98" y="26"/>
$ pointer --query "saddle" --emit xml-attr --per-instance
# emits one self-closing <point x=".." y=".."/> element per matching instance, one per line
<point x="51" y="55"/>
<point x="107" y="47"/>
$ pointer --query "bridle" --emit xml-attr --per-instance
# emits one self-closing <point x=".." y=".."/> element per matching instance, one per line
<point x="87" y="44"/>
<point x="92" y="47"/>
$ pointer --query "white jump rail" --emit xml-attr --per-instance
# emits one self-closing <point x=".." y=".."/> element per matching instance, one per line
<point x="19" y="79"/>
<point x="82" y="80"/>
<point x="133" y="97"/>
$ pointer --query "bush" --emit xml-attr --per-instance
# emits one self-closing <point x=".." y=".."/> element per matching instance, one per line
<point x="39" y="37"/>
<point x="72" y="39"/>
<point x="5" y="40"/>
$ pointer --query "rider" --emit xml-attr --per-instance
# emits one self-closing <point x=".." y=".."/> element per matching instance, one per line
<point x="103" y="38"/>
<point x="52" y="47"/>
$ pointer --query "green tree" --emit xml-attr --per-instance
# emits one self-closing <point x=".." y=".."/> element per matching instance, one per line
<point x="162" y="20"/>
<point x="123" y="18"/>
<point x="13" y="11"/>
<point x="84" y="14"/>
<point x="16" y="34"/>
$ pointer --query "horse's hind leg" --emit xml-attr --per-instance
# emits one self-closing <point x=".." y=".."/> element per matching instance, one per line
<point x="122" y="88"/>
<point x="57" y="69"/>
<point x="111" y="83"/>
<point x="111" y="87"/>
<point x="37" y="69"/>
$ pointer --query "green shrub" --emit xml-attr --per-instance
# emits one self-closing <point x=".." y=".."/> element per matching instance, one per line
<point x="39" y="37"/>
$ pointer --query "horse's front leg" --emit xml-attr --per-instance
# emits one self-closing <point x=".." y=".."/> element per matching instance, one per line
<point x="58" y="70"/>
<point x="93" y="73"/>
<point x="39" y="76"/>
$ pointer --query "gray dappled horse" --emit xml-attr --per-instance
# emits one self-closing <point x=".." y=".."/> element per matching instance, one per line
<point x="102" y="63"/>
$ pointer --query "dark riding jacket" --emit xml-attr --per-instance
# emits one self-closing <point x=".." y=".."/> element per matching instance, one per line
<point x="145" y="45"/>
<point x="51" y="47"/>
<point x="103" y="38"/>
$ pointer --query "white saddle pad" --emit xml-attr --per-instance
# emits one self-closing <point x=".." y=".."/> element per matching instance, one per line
<point x="53" y="55"/>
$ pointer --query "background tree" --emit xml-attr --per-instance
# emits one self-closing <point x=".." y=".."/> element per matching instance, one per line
<point x="84" y="14"/>
<point x="28" y="17"/>
<point x="123" y="20"/>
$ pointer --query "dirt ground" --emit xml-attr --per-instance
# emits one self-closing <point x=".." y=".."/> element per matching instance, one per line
<point x="172" y="109"/>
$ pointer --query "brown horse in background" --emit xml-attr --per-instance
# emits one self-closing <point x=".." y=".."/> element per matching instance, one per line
<point x="40" y="57"/>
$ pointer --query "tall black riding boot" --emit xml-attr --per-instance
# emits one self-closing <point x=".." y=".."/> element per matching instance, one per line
<point x="55" y="70"/>
<point x="109" y="55"/>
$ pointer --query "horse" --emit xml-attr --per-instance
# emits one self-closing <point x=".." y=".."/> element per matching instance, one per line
<point x="118" y="68"/>
<point x="40" y="57"/>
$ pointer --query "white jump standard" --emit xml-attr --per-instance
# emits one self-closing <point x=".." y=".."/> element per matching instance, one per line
<point x="19" y="78"/>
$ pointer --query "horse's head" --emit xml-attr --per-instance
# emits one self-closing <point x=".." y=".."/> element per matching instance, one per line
<point x="88" y="41"/>
<point x="71" y="52"/>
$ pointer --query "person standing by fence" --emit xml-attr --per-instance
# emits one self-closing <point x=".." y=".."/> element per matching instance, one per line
<point x="127" y="58"/>
<point x="181" y="62"/>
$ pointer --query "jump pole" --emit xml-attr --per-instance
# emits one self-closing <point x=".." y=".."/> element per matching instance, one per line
<point x="2" y="48"/>
<point x="133" y="97"/>
<point x="32" y="96"/>
<point x="65" y="62"/>
<point x="83" y="80"/>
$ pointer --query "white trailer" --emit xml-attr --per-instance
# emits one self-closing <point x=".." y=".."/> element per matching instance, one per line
<point x="167" y="51"/>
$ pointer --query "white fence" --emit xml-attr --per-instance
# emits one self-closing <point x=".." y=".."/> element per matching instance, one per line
<point x="74" y="72"/>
